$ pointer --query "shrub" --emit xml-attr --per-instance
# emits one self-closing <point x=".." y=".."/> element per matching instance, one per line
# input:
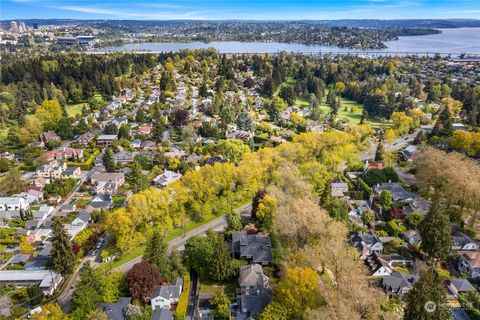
<point x="182" y="306"/>
<point x="394" y="228"/>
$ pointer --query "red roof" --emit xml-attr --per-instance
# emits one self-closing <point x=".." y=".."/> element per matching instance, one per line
<point x="375" y="165"/>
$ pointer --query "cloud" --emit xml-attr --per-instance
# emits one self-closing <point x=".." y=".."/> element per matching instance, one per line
<point x="196" y="15"/>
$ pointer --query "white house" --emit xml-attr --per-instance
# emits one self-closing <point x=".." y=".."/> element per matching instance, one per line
<point x="10" y="207"/>
<point x="164" y="296"/>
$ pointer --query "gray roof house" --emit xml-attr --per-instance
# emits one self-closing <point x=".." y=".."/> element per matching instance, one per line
<point x="162" y="314"/>
<point x="461" y="241"/>
<point x="102" y="201"/>
<point x="457" y="286"/>
<point x="367" y="243"/>
<point x="116" y="310"/>
<point x="164" y="296"/>
<point x="255" y="248"/>
<point x="252" y="303"/>
<point x="251" y="276"/>
<point x="398" y="283"/>
<point x="397" y="191"/>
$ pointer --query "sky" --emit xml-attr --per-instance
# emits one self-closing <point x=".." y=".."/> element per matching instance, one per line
<point x="239" y="9"/>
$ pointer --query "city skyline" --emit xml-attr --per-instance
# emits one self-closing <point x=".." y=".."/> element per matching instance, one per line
<point x="242" y="10"/>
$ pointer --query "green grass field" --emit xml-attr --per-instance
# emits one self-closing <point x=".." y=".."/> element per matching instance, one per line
<point x="74" y="109"/>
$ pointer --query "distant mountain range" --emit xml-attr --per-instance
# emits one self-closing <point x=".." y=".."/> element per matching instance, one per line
<point x="361" y="23"/>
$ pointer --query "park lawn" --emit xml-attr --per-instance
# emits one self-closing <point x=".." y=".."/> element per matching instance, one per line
<point x="288" y="81"/>
<point x="74" y="109"/>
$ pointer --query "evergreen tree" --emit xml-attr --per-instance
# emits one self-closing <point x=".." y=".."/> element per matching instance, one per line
<point x="380" y="151"/>
<point x="108" y="160"/>
<point x="140" y="116"/>
<point x="156" y="253"/>
<point x="65" y="129"/>
<point x="444" y="125"/>
<point x="137" y="180"/>
<point x="88" y="293"/>
<point x="63" y="259"/>
<point x="331" y="99"/>
<point x="158" y="126"/>
<point x="427" y="300"/>
<point x="436" y="234"/>
<point x="221" y="264"/>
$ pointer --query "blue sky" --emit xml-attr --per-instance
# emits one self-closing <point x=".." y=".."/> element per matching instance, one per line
<point x="239" y="9"/>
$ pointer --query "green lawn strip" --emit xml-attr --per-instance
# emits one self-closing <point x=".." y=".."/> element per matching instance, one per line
<point x="209" y="287"/>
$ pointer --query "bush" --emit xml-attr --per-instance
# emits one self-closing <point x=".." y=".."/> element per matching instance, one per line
<point x="365" y="187"/>
<point x="394" y="228"/>
<point x="376" y="176"/>
<point x="182" y="306"/>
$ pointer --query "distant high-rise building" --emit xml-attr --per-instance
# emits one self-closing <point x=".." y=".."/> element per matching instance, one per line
<point x="35" y="26"/>
<point x="22" y="27"/>
<point x="14" y="27"/>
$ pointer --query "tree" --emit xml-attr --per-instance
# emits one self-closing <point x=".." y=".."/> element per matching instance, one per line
<point x="49" y="114"/>
<point x="108" y="160"/>
<point x="435" y="233"/>
<point x="267" y="207"/>
<point x="222" y="305"/>
<point x="88" y="293"/>
<point x="63" y="259"/>
<point x="380" y="151"/>
<point x="156" y="253"/>
<point x="234" y="222"/>
<point x="386" y="200"/>
<point x="140" y="116"/>
<point x="180" y="117"/>
<point x="111" y="128"/>
<point x="113" y="287"/>
<point x="177" y="268"/>
<point x="65" y="129"/>
<point x="368" y="216"/>
<point x="287" y="93"/>
<point x="35" y="294"/>
<point x="137" y="180"/>
<point x="427" y="300"/>
<point x="274" y="311"/>
<point x="26" y="247"/>
<point x="232" y="149"/>
<point x="12" y="183"/>
<point x="142" y="279"/>
<point x="50" y="312"/>
<point x="298" y="291"/>
<point x="199" y="251"/>
<point x="158" y="125"/>
<point x="221" y="266"/>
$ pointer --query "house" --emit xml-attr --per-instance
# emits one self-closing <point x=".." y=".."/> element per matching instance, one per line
<point x="52" y="170"/>
<point x="98" y="177"/>
<point x="367" y="243"/>
<point x="166" y="295"/>
<point x="104" y="187"/>
<point x="397" y="191"/>
<point x="251" y="277"/>
<point x="32" y="196"/>
<point x="143" y="130"/>
<point x="357" y="208"/>
<point x="373" y="165"/>
<point x="19" y="259"/>
<point x="136" y="144"/>
<point x="78" y="224"/>
<point x="167" y="177"/>
<point x="114" y="105"/>
<point x="461" y="241"/>
<point x="411" y="237"/>
<point x="82" y="219"/>
<point x="339" y="189"/>
<point x="116" y="310"/>
<point x="85" y="138"/>
<point x="457" y="286"/>
<point x="47" y="280"/>
<point x="49" y="136"/>
<point x="7" y="155"/>
<point x="64" y="154"/>
<point x="418" y="204"/>
<point x="54" y="200"/>
<point x="255" y="248"/>
<point x="106" y="139"/>
<point x="102" y="201"/>
<point x="459" y="314"/>
<point x="33" y="224"/>
<point x="240" y="134"/>
<point x="123" y="157"/>
<point x="397" y="284"/>
<point x="43" y="212"/>
<point x="381" y="265"/>
<point x="469" y="262"/>
<point x="119" y="121"/>
<point x="408" y="152"/>
<point x="11" y="207"/>
<point x="67" y="208"/>
<point x="71" y="173"/>
<point x="252" y="303"/>
<point x="162" y="314"/>
<point x="40" y="182"/>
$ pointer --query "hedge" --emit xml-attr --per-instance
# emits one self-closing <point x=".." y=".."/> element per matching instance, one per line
<point x="394" y="229"/>
<point x="87" y="164"/>
<point x="364" y="186"/>
<point x="182" y="305"/>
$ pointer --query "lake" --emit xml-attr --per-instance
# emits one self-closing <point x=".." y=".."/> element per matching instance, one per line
<point x="461" y="40"/>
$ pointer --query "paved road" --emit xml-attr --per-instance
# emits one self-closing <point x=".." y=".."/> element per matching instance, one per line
<point x="397" y="145"/>
<point x="83" y="177"/>
<point x="218" y="224"/>
<point x="405" y="176"/>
